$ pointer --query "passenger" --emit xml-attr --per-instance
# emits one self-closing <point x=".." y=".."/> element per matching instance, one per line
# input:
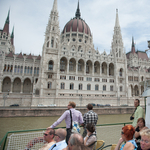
<point x="139" y="112"/>
<point x="89" y="117"/>
<point x="140" y="127"/>
<point x="90" y="138"/>
<point x="145" y="139"/>
<point x="48" y="138"/>
<point x="76" y="116"/>
<point x="60" y="135"/>
<point x="127" y="136"/>
<point x="75" y="139"/>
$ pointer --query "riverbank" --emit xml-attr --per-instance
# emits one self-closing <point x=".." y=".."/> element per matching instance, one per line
<point x="48" y="112"/>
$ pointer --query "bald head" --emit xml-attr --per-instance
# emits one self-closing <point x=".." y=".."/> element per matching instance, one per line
<point x="61" y="133"/>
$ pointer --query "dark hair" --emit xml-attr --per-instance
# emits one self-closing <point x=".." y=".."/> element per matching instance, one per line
<point x="141" y="119"/>
<point x="89" y="106"/>
<point x="52" y="131"/>
<point x="137" y="100"/>
<point x="128" y="132"/>
<point x="90" y="127"/>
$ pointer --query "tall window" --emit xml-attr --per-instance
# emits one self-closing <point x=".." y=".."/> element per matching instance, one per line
<point x="71" y="86"/>
<point x="62" y="86"/>
<point x="34" y="70"/>
<point x="80" y="86"/>
<point x="49" y="85"/>
<point x="31" y="70"/>
<point x="120" y="72"/>
<point x="38" y="71"/>
<point x="79" y="66"/>
<point x="28" y="70"/>
<point x="111" y="88"/>
<point x="52" y="42"/>
<point x="89" y="87"/>
<point x="25" y="69"/>
<point x="50" y="65"/>
<point x="15" y="69"/>
<point x="96" y="87"/>
<point x="18" y="69"/>
<point x="104" y="87"/>
<point x="70" y="66"/>
<point x="120" y="88"/>
<point x="21" y="69"/>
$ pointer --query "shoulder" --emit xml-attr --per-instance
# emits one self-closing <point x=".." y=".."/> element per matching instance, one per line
<point x="129" y="146"/>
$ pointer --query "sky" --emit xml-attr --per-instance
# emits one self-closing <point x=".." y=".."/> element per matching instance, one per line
<point x="30" y="18"/>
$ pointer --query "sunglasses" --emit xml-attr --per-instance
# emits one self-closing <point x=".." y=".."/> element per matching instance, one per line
<point x="122" y="132"/>
<point x="46" y="134"/>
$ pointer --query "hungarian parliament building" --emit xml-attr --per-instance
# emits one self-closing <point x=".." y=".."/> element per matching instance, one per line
<point x="70" y="69"/>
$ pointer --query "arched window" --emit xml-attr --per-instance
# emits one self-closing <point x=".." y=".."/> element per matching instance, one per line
<point x="18" y="69"/>
<point x="62" y="86"/>
<point x="80" y="86"/>
<point x="52" y="42"/>
<point x="38" y="71"/>
<point x="28" y="70"/>
<point x="25" y="69"/>
<point x="11" y="68"/>
<point x="15" y="69"/>
<point x="121" y="89"/>
<point x="5" y="68"/>
<point x="104" y="87"/>
<point x="8" y="68"/>
<point x="71" y="86"/>
<point x="120" y="72"/>
<point x="34" y="70"/>
<point x="89" y="87"/>
<point x="31" y="70"/>
<point x="50" y="65"/>
<point x="47" y="44"/>
<point x="49" y="85"/>
<point x="96" y="87"/>
<point x="111" y="88"/>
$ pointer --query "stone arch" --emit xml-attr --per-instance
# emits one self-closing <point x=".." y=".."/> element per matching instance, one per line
<point x="17" y="85"/>
<point x="136" y="90"/>
<point x="50" y="65"/>
<point x="81" y="65"/>
<point x="104" y="68"/>
<point x="63" y="64"/>
<point x="89" y="67"/>
<point x="72" y="65"/>
<point x="6" y="84"/>
<point x="27" y="86"/>
<point x="111" y="69"/>
<point x="96" y="67"/>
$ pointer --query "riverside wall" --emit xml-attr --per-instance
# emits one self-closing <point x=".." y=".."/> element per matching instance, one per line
<point x="31" y="112"/>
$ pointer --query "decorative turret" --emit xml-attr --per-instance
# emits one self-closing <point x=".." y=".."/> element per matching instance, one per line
<point x="6" y="26"/>
<point x="12" y="36"/>
<point x="117" y="42"/>
<point x="78" y="14"/>
<point x="133" y="46"/>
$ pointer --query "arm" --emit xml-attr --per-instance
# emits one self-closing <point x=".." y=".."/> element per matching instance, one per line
<point x="88" y="141"/>
<point x="119" y="143"/>
<point x="63" y="116"/>
<point x="81" y="119"/>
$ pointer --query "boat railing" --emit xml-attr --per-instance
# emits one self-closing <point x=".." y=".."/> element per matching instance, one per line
<point x="18" y="140"/>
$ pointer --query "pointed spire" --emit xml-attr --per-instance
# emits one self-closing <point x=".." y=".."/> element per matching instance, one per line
<point x="6" y="26"/>
<point x="54" y="9"/>
<point x="117" y="19"/>
<point x="12" y="36"/>
<point x="78" y="14"/>
<point x="133" y="46"/>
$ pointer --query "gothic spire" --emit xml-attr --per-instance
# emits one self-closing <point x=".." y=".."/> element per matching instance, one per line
<point x="117" y="19"/>
<point x="78" y="14"/>
<point x="54" y="9"/>
<point x="133" y="46"/>
<point x="12" y="36"/>
<point x="6" y="26"/>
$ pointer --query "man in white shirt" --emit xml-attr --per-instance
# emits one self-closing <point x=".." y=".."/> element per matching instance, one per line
<point x="60" y="135"/>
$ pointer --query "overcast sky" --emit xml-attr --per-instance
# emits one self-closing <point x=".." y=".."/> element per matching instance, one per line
<point x="30" y="17"/>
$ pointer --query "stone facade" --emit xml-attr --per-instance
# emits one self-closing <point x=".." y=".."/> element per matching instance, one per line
<point x="70" y="68"/>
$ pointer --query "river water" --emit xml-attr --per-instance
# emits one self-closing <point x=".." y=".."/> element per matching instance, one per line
<point x="27" y="123"/>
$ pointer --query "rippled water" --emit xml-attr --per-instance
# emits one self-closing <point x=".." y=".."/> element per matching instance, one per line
<point x="27" y="123"/>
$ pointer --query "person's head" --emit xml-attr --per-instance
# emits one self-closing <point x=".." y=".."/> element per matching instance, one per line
<point x="89" y="106"/>
<point x="145" y="139"/>
<point x="49" y="135"/>
<point x="90" y="127"/>
<point x="60" y="135"/>
<point x="141" y="122"/>
<point x="136" y="102"/>
<point x="127" y="132"/>
<point x="75" y="139"/>
<point x="71" y="105"/>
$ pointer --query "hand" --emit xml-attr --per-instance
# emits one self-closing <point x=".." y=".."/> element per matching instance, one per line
<point x="131" y="118"/>
<point x="120" y="141"/>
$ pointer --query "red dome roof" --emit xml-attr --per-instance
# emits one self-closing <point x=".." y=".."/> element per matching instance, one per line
<point x="77" y="23"/>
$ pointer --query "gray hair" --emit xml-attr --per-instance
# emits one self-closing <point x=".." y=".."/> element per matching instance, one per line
<point x="76" y="139"/>
<point x="145" y="132"/>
